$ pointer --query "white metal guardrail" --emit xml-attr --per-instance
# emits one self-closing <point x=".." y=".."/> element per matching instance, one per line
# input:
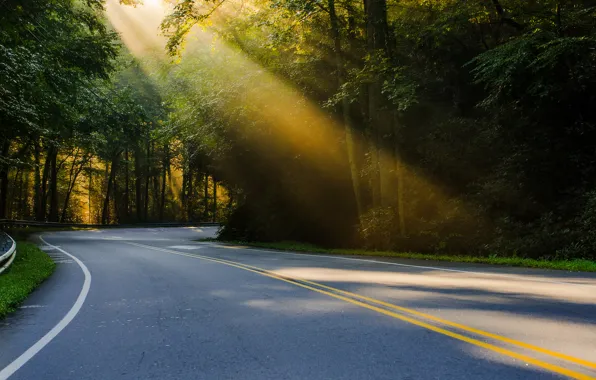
<point x="6" y="258"/>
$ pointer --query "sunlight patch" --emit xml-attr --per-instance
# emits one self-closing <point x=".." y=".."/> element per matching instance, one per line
<point x="185" y="247"/>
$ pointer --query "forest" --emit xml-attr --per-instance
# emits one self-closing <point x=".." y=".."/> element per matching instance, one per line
<point x="438" y="126"/>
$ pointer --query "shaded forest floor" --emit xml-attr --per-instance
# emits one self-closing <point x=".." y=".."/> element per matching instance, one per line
<point x="575" y="265"/>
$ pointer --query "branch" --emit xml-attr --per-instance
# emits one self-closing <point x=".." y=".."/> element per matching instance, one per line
<point x="506" y="20"/>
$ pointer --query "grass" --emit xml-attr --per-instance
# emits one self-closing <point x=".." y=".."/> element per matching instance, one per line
<point x="29" y="269"/>
<point x="576" y="265"/>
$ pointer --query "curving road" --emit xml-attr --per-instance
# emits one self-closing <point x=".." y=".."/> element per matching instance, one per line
<point x="158" y="304"/>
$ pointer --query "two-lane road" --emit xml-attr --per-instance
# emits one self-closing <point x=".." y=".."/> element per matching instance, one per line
<point x="157" y="304"/>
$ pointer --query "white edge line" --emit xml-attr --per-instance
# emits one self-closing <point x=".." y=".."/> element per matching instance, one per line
<point x="520" y="277"/>
<point x="74" y="310"/>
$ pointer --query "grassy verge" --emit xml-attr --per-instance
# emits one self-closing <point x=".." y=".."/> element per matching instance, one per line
<point x="29" y="269"/>
<point x="568" y="265"/>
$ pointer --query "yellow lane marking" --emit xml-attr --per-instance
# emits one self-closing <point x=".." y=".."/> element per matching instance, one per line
<point x="541" y="350"/>
<point x="447" y="322"/>
<point x="502" y="351"/>
<point x="464" y="327"/>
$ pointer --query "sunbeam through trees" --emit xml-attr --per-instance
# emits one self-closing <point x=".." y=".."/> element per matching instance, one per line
<point x="436" y="126"/>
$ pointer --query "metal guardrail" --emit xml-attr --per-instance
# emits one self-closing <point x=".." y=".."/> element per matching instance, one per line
<point x="5" y="223"/>
<point x="8" y="252"/>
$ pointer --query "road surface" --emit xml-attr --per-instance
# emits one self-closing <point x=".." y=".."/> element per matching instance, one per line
<point x="158" y="304"/>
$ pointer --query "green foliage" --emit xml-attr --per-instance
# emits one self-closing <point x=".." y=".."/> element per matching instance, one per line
<point x="427" y="126"/>
<point x="29" y="269"/>
<point x="575" y="265"/>
<point x="584" y="243"/>
<point x="487" y="105"/>
<point x="378" y="228"/>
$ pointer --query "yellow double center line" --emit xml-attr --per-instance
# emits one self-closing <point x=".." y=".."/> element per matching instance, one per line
<point x="356" y="300"/>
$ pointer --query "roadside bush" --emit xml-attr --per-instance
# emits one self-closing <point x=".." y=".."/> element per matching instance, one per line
<point x="584" y="244"/>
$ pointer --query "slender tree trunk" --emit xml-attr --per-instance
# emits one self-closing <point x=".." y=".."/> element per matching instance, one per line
<point x="206" y="198"/>
<point x="24" y="209"/>
<point x="401" y="178"/>
<point x="164" y="172"/>
<point x="156" y="196"/>
<point x="53" y="215"/>
<point x="190" y="203"/>
<point x="36" y="180"/>
<point x="214" y="217"/>
<point x="231" y="197"/>
<point x="147" y="180"/>
<point x="65" y="205"/>
<point x="14" y="193"/>
<point x="162" y="202"/>
<point x="117" y="200"/>
<point x="105" y="214"/>
<point x="44" y="182"/>
<point x="126" y="187"/>
<point x="3" y="193"/>
<point x="376" y="30"/>
<point x="138" y="184"/>
<point x="17" y="195"/>
<point x="106" y="181"/>
<point x="345" y="105"/>
<point x="4" y="181"/>
<point x="184" y="191"/>
<point x="89" y="191"/>
<point x="69" y="189"/>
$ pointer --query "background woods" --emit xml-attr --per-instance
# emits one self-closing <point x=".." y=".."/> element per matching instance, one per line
<point x="84" y="131"/>
<point x="427" y="125"/>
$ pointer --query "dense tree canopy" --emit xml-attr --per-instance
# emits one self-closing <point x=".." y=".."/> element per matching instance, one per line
<point x="428" y="125"/>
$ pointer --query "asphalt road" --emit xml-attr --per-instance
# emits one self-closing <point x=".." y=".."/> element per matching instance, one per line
<point x="157" y="304"/>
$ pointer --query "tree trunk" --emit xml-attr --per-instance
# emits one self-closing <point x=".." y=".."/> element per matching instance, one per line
<point x="24" y="209"/>
<point x="190" y="203"/>
<point x="16" y="196"/>
<point x="3" y="193"/>
<point x="126" y="187"/>
<point x="214" y="217"/>
<point x="69" y="189"/>
<point x="14" y="193"/>
<point x="162" y="201"/>
<point x="184" y="190"/>
<point x="138" y="184"/>
<point x="36" y="180"/>
<point x="164" y="172"/>
<point x="156" y="196"/>
<point x="89" y="190"/>
<point x="206" y="198"/>
<point x="44" y="182"/>
<point x="53" y="215"/>
<point x="4" y="181"/>
<point x="400" y="176"/>
<point x="117" y="199"/>
<point x="105" y="216"/>
<point x="231" y="197"/>
<point x="376" y="30"/>
<point x="345" y="105"/>
<point x="148" y="157"/>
